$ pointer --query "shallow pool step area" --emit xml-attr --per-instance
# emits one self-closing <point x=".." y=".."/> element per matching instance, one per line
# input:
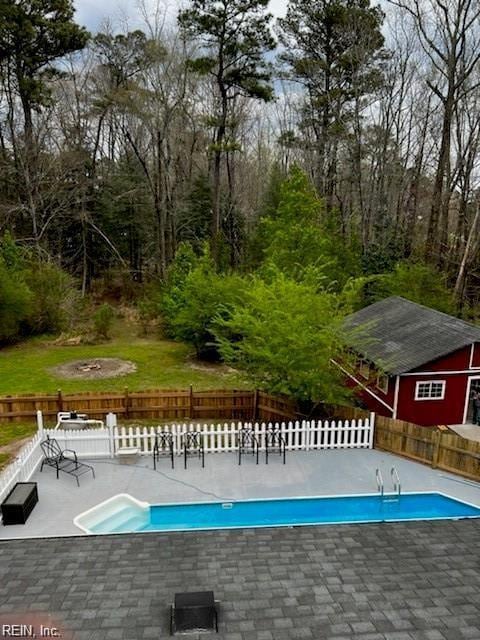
<point x="125" y="520"/>
<point x="121" y="513"/>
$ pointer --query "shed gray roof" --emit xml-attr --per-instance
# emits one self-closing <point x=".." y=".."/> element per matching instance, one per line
<point x="400" y="335"/>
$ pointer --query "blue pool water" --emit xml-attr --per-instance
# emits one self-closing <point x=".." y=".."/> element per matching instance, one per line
<point x="285" y="512"/>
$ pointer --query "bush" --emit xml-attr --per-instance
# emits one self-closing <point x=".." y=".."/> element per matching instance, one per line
<point x="15" y="302"/>
<point x="192" y="305"/>
<point x="55" y="299"/>
<point x="103" y="320"/>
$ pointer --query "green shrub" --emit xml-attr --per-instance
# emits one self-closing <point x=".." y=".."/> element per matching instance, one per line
<point x="191" y="306"/>
<point x="15" y="302"/>
<point x="55" y="299"/>
<point x="103" y="320"/>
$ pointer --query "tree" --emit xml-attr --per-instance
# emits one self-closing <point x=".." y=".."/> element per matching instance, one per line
<point x="449" y="36"/>
<point x="196" y="298"/>
<point x="233" y="35"/>
<point x="299" y="241"/>
<point x="286" y="334"/>
<point x="34" y="34"/>
<point x="334" y="49"/>
<point x="417" y="282"/>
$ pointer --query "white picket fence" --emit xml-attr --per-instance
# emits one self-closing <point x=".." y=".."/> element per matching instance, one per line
<point x="23" y="467"/>
<point x="299" y="436"/>
<point x="105" y="442"/>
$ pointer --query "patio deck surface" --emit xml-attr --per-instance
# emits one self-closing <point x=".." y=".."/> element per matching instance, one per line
<point x="314" y="473"/>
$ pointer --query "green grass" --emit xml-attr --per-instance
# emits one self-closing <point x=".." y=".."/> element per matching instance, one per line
<point x="161" y="364"/>
<point x="4" y="459"/>
<point x="11" y="431"/>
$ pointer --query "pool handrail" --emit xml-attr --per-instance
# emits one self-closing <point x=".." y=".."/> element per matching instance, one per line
<point x="397" y="487"/>
<point x="379" y="479"/>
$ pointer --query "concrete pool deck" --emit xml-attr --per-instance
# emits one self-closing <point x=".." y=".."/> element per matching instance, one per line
<point x="313" y="473"/>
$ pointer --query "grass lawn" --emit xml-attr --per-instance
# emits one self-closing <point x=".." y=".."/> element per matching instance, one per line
<point x="11" y="436"/>
<point x="161" y="364"/>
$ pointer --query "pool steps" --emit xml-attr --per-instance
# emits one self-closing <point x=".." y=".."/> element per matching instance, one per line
<point x="123" y="510"/>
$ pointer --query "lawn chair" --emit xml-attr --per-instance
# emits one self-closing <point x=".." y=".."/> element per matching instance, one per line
<point x="163" y="442"/>
<point x="55" y="457"/>
<point x="193" y="444"/>
<point x="247" y="440"/>
<point x="274" y="442"/>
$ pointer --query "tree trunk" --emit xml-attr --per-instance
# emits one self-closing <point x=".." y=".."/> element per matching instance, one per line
<point x="461" y="276"/>
<point x="432" y="246"/>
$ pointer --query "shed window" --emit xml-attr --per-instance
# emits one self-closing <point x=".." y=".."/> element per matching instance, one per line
<point x="364" y="368"/>
<point x="382" y="383"/>
<point x="431" y="390"/>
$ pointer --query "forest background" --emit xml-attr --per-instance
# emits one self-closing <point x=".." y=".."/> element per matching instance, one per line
<point x="242" y="182"/>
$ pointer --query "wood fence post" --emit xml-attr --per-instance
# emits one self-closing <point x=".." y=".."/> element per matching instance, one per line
<point x="255" y="405"/>
<point x="191" y="410"/>
<point x="127" y="403"/>
<point x="59" y="401"/>
<point x="437" y="434"/>
<point x="9" y="408"/>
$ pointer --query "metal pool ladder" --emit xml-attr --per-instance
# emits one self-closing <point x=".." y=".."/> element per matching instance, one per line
<point x="380" y="487"/>
<point x="397" y="487"/>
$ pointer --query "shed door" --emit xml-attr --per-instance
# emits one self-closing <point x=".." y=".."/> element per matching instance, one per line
<point x="474" y="386"/>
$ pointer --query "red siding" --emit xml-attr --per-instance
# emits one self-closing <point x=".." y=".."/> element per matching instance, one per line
<point x="432" y="412"/>
<point x="450" y="410"/>
<point x="456" y="361"/>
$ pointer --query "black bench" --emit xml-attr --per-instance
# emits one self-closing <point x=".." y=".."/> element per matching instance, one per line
<point x="19" y="503"/>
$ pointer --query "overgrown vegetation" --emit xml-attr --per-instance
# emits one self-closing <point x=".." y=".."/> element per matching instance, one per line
<point x="36" y="296"/>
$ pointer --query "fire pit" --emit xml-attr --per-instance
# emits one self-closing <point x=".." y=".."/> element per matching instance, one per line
<point x="92" y="366"/>
<point x="95" y="368"/>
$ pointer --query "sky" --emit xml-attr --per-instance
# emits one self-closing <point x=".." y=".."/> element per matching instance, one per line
<point x="93" y="13"/>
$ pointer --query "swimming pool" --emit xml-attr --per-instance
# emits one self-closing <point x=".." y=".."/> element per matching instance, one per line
<point x="125" y="514"/>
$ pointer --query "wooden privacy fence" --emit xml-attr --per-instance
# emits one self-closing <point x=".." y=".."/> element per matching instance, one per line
<point x="436" y="446"/>
<point x="176" y="405"/>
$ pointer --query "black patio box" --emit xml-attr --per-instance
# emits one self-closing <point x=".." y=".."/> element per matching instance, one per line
<point x="19" y="503"/>
<point x="193" y="612"/>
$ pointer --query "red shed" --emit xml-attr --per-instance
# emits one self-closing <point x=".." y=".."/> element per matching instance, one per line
<point x="415" y="363"/>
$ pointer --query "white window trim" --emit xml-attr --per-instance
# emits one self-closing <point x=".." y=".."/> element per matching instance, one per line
<point x="419" y="382"/>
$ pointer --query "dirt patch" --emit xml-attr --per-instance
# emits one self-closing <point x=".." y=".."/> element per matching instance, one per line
<point x="212" y="367"/>
<point x="95" y="368"/>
